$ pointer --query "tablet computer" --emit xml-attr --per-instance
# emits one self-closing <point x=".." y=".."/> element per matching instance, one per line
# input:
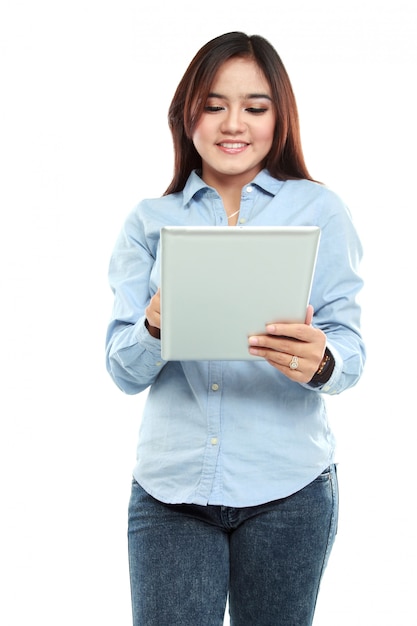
<point x="220" y="284"/>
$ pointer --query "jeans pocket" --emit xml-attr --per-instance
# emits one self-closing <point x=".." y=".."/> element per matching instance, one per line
<point x="324" y="476"/>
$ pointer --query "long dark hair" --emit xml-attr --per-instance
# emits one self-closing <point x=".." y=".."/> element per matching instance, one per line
<point x="285" y="159"/>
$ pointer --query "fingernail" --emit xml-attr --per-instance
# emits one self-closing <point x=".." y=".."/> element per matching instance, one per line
<point x="270" y="328"/>
<point x="253" y="341"/>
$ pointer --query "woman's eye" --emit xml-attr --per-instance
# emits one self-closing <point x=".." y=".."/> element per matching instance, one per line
<point x="213" y="109"/>
<point x="256" y="110"/>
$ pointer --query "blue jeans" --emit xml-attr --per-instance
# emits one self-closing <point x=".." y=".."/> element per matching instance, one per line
<point x="185" y="559"/>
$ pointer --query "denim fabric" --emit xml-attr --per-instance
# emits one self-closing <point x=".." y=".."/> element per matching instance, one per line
<point x="186" y="559"/>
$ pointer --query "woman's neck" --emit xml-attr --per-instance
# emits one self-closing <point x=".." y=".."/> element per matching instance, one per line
<point x="229" y="189"/>
<point x="231" y="198"/>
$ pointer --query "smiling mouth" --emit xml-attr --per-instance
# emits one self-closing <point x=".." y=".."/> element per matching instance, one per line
<point x="232" y="146"/>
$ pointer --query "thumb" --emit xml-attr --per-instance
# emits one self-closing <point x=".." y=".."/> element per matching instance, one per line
<point x="309" y="315"/>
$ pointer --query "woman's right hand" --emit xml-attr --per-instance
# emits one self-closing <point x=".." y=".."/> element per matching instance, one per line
<point x="153" y="316"/>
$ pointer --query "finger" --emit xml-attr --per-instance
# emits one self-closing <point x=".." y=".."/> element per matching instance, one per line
<point x="309" y="314"/>
<point x="299" y="332"/>
<point x="152" y="313"/>
<point x="275" y="357"/>
<point x="290" y="365"/>
<point x="296" y="375"/>
<point x="278" y="343"/>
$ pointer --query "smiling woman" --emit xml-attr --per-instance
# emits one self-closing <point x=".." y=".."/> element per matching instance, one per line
<point x="285" y="159"/>
<point x="235" y="493"/>
<point x="235" y="131"/>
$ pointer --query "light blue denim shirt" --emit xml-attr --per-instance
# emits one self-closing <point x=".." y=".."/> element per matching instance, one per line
<point x="235" y="433"/>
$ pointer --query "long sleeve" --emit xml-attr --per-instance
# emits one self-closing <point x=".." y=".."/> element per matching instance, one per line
<point x="133" y="356"/>
<point x="334" y="297"/>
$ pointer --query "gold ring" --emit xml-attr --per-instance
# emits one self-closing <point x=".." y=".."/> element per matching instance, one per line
<point x="294" y="363"/>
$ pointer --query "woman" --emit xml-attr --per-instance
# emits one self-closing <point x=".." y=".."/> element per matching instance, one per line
<point x="235" y="491"/>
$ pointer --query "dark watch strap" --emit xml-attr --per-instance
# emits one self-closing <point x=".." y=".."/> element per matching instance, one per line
<point x="325" y="370"/>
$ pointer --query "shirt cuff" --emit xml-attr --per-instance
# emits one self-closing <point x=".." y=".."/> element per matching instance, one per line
<point x="151" y="345"/>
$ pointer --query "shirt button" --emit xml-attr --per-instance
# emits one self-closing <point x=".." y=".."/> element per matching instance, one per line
<point x="249" y="189"/>
<point x="242" y="220"/>
<point x="215" y="387"/>
<point x="214" y="441"/>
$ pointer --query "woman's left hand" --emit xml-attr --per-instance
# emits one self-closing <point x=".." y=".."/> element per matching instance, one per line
<point x="296" y="350"/>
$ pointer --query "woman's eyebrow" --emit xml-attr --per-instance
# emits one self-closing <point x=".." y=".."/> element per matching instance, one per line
<point x="249" y="96"/>
<point x="212" y="94"/>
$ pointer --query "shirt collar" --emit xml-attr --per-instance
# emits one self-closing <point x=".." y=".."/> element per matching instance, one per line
<point x="263" y="181"/>
<point x="193" y="185"/>
<point x="267" y="183"/>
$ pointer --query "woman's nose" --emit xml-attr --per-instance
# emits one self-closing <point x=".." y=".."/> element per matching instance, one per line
<point x="233" y="122"/>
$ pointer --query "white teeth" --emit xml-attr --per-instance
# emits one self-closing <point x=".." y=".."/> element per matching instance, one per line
<point x="233" y="146"/>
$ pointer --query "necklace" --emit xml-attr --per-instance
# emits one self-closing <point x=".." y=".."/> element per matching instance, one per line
<point x="233" y="214"/>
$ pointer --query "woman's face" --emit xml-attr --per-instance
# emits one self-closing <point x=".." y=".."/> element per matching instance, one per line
<point x="235" y="132"/>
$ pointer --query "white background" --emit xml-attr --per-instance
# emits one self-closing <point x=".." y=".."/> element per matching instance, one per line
<point x="85" y="88"/>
